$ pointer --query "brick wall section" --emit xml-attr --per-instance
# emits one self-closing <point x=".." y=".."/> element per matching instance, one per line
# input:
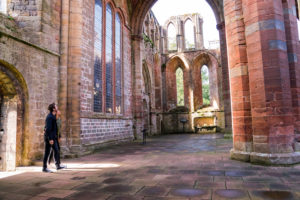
<point x="95" y="131"/>
<point x="97" y="127"/>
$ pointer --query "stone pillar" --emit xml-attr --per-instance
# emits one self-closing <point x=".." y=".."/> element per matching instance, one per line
<point x="292" y="39"/>
<point x="137" y="84"/>
<point x="226" y="104"/>
<point x="63" y="69"/>
<point x="164" y="88"/>
<point x="74" y="73"/>
<point x="9" y="142"/>
<point x="179" y="37"/>
<point x="268" y="71"/>
<point x="239" y="79"/>
<point x="199" y="43"/>
<point x="164" y="41"/>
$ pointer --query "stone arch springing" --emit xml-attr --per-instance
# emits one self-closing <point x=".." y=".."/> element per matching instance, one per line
<point x="14" y="117"/>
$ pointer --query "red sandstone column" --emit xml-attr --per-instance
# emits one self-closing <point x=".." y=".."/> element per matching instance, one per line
<point x="292" y="39"/>
<point x="226" y="104"/>
<point x="239" y="79"/>
<point x="269" y="78"/>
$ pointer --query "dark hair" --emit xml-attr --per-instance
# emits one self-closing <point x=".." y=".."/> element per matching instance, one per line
<point x="51" y="107"/>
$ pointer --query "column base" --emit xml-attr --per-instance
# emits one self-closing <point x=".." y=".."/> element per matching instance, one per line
<point x="266" y="159"/>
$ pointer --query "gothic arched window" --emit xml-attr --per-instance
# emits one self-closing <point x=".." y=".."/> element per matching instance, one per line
<point x="172" y="44"/>
<point x="179" y="87"/>
<point x="189" y="34"/>
<point x="205" y="85"/>
<point x="98" y="90"/>
<point x="118" y="58"/>
<point x="108" y="59"/>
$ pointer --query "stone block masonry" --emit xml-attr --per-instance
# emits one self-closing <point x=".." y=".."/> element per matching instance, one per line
<point x="98" y="131"/>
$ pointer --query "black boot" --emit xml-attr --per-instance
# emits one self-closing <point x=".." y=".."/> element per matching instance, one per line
<point x="46" y="170"/>
<point x="58" y="167"/>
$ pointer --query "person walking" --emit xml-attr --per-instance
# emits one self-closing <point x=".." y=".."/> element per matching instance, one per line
<point x="51" y="139"/>
<point x="58" y="123"/>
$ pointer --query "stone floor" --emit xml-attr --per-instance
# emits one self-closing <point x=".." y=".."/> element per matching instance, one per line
<point x="168" y="167"/>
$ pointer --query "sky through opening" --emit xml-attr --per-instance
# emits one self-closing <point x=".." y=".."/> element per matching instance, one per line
<point x="164" y="9"/>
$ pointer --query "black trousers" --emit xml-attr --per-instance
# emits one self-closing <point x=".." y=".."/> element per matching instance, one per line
<point x="55" y="148"/>
<point x="52" y="156"/>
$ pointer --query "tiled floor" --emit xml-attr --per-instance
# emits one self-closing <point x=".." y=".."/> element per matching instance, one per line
<point x="168" y="167"/>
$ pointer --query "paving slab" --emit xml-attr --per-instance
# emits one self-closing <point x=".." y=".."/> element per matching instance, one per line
<point x="168" y="167"/>
<point x="272" y="195"/>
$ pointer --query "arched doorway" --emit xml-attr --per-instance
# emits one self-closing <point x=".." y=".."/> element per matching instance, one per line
<point x="13" y="95"/>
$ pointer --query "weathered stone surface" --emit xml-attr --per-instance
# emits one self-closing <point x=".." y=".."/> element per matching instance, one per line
<point x="268" y="159"/>
<point x="47" y="55"/>
<point x="107" y="175"/>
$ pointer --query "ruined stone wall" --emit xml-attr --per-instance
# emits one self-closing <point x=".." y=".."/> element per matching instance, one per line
<point x="39" y="69"/>
<point x="192" y="61"/>
<point x="152" y="64"/>
<point x="39" y="20"/>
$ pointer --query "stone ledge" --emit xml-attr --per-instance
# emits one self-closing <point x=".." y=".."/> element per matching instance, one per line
<point x="267" y="159"/>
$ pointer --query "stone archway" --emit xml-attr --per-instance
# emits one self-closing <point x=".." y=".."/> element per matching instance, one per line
<point x="208" y="59"/>
<point x="170" y="76"/>
<point x="13" y="118"/>
<point x="142" y="7"/>
<point x="139" y="11"/>
<point x="264" y="74"/>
